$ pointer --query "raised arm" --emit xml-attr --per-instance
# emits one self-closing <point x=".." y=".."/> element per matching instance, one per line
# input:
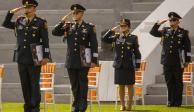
<point x="155" y="29"/>
<point x="62" y="26"/>
<point x="108" y="37"/>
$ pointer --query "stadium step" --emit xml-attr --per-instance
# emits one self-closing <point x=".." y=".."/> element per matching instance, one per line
<point x="104" y="17"/>
<point x="145" y="6"/>
<point x="61" y="4"/>
<point x="147" y="1"/>
<point x="13" y="93"/>
<point x="58" y="52"/>
<point x="12" y="75"/>
<point x="7" y="36"/>
<point x="135" y="15"/>
<point x="162" y="100"/>
<point x="158" y="89"/>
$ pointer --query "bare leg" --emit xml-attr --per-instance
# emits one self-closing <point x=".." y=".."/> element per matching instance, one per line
<point x="130" y="94"/>
<point x="122" y="95"/>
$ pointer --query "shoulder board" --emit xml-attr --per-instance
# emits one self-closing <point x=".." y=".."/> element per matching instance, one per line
<point x="42" y="19"/>
<point x="186" y="31"/>
<point x="92" y="26"/>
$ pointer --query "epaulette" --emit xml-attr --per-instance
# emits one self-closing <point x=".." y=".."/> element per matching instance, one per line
<point x="93" y="25"/>
<point x="44" y="20"/>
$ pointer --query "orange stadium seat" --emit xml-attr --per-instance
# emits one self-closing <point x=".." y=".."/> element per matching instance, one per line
<point x="47" y="84"/>
<point x="188" y="81"/>
<point x="93" y="86"/>
<point x="2" y="69"/>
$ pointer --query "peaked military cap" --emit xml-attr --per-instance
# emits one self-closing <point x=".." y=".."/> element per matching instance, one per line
<point x="174" y="15"/>
<point x="77" y="7"/>
<point x="28" y="3"/>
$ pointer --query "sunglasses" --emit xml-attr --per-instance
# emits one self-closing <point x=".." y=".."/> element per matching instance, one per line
<point x="173" y="20"/>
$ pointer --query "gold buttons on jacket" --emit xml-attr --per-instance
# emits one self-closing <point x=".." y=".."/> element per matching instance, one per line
<point x="75" y="44"/>
<point x="75" y="49"/>
<point x="75" y="38"/>
<point x="122" y="47"/>
<point x="26" y="34"/>
<point x="24" y="47"/>
<point x="24" y="40"/>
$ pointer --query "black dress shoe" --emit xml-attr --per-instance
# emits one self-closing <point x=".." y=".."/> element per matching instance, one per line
<point x="74" y="109"/>
<point x="82" y="105"/>
<point x="170" y="105"/>
<point x="177" y="105"/>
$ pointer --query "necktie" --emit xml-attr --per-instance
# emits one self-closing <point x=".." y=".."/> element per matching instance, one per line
<point x="76" y="26"/>
<point x="27" y="21"/>
<point x="173" y="31"/>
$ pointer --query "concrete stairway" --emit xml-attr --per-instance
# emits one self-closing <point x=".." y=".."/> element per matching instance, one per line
<point x="65" y="4"/>
<point x="140" y="10"/>
<point x="103" y="13"/>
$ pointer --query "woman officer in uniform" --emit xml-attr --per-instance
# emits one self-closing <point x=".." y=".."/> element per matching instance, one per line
<point x="127" y="59"/>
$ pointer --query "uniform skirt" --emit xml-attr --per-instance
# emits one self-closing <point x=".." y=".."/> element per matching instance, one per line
<point x="124" y="76"/>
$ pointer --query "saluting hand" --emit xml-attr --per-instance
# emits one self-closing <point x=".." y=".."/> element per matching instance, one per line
<point x="114" y="28"/>
<point x="17" y="9"/>
<point x="163" y="21"/>
<point x="66" y="17"/>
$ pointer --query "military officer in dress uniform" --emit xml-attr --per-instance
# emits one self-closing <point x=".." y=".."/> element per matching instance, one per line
<point x="176" y="54"/>
<point x="80" y="36"/>
<point x="29" y="29"/>
<point x="127" y="59"/>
